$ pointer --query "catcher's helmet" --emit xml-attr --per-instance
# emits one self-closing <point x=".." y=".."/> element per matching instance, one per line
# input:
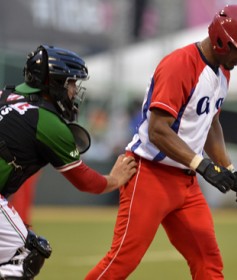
<point x="223" y="29"/>
<point x="49" y="68"/>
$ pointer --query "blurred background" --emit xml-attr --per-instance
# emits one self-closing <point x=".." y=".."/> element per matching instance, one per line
<point x="121" y="42"/>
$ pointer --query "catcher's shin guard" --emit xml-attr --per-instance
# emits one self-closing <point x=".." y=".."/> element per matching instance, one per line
<point x="39" y="250"/>
<point x="28" y="260"/>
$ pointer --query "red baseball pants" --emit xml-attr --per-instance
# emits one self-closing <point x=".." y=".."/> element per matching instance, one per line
<point x="160" y="194"/>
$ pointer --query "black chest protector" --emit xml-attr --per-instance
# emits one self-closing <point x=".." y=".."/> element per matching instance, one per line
<point x="21" y="171"/>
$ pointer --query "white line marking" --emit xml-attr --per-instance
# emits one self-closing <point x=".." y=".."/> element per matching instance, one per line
<point x="155" y="256"/>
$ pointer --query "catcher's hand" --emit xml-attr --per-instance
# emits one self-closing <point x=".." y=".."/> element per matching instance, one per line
<point x="218" y="176"/>
<point x="124" y="168"/>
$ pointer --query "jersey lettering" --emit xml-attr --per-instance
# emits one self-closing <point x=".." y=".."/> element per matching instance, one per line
<point x="203" y="106"/>
<point x="74" y="153"/>
<point x="22" y="108"/>
<point x="6" y="111"/>
<point x="219" y="103"/>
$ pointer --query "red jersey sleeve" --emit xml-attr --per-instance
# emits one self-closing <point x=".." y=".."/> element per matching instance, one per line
<point x="175" y="78"/>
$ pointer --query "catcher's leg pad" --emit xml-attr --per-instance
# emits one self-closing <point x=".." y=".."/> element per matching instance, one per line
<point x="39" y="251"/>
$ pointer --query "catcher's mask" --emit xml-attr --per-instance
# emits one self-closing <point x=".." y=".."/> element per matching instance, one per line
<point x="49" y="69"/>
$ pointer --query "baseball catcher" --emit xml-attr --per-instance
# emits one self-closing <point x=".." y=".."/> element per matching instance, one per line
<point x="39" y="126"/>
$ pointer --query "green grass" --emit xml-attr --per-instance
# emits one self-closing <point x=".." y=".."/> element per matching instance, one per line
<point x="81" y="236"/>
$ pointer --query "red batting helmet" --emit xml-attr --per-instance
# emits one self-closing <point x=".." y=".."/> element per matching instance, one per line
<point x="223" y="29"/>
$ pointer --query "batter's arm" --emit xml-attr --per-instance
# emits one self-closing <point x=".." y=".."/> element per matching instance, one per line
<point x="215" y="144"/>
<point x="161" y="135"/>
<point x="164" y="138"/>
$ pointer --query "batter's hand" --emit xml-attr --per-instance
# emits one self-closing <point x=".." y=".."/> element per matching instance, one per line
<point x="218" y="176"/>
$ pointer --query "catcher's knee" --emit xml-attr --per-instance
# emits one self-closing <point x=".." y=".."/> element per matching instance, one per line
<point x="39" y="250"/>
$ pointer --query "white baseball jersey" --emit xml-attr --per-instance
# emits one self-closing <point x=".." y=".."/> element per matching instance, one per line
<point x="189" y="89"/>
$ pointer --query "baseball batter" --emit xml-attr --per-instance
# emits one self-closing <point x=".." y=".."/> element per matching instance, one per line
<point x="180" y="120"/>
<point x="38" y="127"/>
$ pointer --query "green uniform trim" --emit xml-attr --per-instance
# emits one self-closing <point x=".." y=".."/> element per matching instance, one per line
<point x="57" y="136"/>
<point x="24" y="88"/>
<point x="5" y="172"/>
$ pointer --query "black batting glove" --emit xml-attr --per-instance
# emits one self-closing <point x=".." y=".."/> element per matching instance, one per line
<point x="216" y="175"/>
<point x="234" y="188"/>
